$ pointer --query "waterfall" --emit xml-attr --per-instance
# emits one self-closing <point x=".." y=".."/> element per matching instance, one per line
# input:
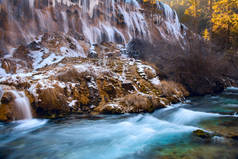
<point x="52" y="16"/>
<point x="65" y="22"/>
<point x="22" y="105"/>
<point x="98" y="21"/>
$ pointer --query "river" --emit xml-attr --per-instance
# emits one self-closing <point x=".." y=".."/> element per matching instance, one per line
<point x="166" y="133"/>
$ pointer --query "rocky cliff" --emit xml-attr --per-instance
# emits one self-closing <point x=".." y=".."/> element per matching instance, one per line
<point x="69" y="56"/>
<point x="21" y="21"/>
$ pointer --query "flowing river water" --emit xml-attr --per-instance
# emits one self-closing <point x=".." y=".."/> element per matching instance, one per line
<point x="167" y="133"/>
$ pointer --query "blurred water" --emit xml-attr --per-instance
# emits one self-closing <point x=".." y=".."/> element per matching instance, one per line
<point x="163" y="133"/>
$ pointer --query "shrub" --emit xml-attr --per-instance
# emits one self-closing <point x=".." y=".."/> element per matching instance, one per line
<point x="149" y="73"/>
<point x="133" y="70"/>
<point x="198" y="67"/>
<point x="200" y="70"/>
<point x="72" y="75"/>
<point x="136" y="47"/>
<point x="171" y="88"/>
<point x="135" y="100"/>
<point x="69" y="75"/>
<point x="139" y="103"/>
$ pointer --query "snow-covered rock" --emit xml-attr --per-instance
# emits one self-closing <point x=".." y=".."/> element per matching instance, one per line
<point x="85" y="85"/>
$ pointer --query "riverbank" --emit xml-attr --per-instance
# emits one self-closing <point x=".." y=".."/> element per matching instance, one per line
<point x="166" y="133"/>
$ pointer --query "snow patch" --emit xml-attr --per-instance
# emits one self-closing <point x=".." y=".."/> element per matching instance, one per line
<point x="141" y="69"/>
<point x="2" y="72"/>
<point x="40" y="63"/>
<point x="155" y="81"/>
<point x="67" y="52"/>
<point x="92" y="84"/>
<point x="162" y="102"/>
<point x="46" y="83"/>
<point x="72" y="103"/>
<point x="113" y="105"/>
<point x="40" y="76"/>
<point x="89" y="67"/>
<point x="16" y="78"/>
<point x="33" y="90"/>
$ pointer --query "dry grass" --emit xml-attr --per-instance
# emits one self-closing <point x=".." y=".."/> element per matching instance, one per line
<point x="133" y="70"/>
<point x="149" y="73"/>
<point x="73" y="75"/>
<point x="171" y="88"/>
<point x="155" y="101"/>
<point x="69" y="76"/>
<point x="135" y="100"/>
<point x="107" y="74"/>
<point x="139" y="103"/>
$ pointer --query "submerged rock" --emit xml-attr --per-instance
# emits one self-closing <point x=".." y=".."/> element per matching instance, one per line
<point x="235" y="137"/>
<point x="202" y="134"/>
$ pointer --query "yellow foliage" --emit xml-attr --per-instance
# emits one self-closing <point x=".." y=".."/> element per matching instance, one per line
<point x="224" y="16"/>
<point x="225" y="20"/>
<point x="206" y="34"/>
<point x="151" y="1"/>
<point x="193" y="9"/>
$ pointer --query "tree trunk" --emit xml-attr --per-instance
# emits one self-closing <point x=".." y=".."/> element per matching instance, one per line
<point x="210" y="16"/>
<point x="210" y="24"/>
<point x="196" y="15"/>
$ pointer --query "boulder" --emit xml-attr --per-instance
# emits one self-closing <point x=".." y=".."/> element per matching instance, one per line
<point x="9" y="66"/>
<point x="110" y="109"/>
<point x="52" y="101"/>
<point x="6" y="111"/>
<point x="34" y="46"/>
<point x="235" y="137"/>
<point x="6" y="98"/>
<point x="202" y="134"/>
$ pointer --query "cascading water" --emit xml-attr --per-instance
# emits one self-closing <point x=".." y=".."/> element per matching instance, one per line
<point x="98" y="21"/>
<point x="22" y="105"/>
<point x="105" y="136"/>
<point x="167" y="133"/>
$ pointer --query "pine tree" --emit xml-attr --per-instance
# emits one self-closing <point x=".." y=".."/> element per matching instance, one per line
<point x="225" y="21"/>
<point x="194" y="11"/>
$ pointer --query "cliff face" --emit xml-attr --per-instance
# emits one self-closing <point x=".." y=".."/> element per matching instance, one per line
<point x="69" y="56"/>
<point x="107" y="81"/>
<point x="94" y="21"/>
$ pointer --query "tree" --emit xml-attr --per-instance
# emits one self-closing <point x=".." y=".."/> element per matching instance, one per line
<point x="194" y="11"/>
<point x="225" y="22"/>
<point x="215" y="20"/>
